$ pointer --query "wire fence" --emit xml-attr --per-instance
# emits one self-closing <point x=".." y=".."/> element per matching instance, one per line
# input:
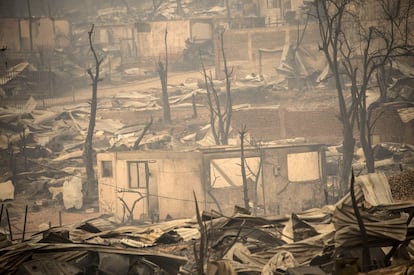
<point x="42" y="102"/>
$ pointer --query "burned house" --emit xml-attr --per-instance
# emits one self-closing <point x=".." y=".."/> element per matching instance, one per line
<point x="281" y="179"/>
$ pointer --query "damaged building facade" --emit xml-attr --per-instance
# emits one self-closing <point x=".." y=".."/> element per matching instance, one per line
<point x="281" y="179"/>
<point x="35" y="34"/>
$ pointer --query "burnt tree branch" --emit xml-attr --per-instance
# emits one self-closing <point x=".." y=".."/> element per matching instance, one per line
<point x="88" y="152"/>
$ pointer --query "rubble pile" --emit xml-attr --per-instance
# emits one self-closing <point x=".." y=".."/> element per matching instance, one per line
<point x="99" y="244"/>
<point x="317" y="241"/>
<point x="41" y="149"/>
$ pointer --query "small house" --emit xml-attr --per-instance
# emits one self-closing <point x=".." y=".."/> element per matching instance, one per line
<point x="281" y="179"/>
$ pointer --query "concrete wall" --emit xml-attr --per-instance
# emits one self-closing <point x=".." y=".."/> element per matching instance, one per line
<point x="172" y="179"/>
<point x="9" y="30"/>
<point x="46" y="33"/>
<point x="390" y="128"/>
<point x="278" y="123"/>
<point x="112" y="35"/>
<point x="150" y="44"/>
<point x="279" y="191"/>
<point x="108" y="186"/>
<point x="274" y="14"/>
<point x="226" y="186"/>
<point x="42" y="32"/>
<point x="283" y="194"/>
<point x="175" y="175"/>
<point x="179" y="177"/>
<point x="63" y="32"/>
<point x="244" y="44"/>
<point x="239" y="44"/>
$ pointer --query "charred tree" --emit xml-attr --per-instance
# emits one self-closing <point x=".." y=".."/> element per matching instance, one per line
<point x="220" y="117"/>
<point x="381" y="44"/>
<point x="329" y="15"/>
<point x="228" y="10"/>
<point x="256" y="175"/>
<point x="383" y="77"/>
<point x="155" y="6"/>
<point x="179" y="9"/>
<point x="228" y="101"/>
<point x="194" y="105"/>
<point x="163" y="74"/>
<point x="130" y="210"/>
<point x="359" y="47"/>
<point x="143" y="133"/>
<point x="366" y="258"/>
<point x="201" y="250"/>
<point x="242" y="134"/>
<point x="88" y="152"/>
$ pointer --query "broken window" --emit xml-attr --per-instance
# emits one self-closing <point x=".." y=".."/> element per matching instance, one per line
<point x="138" y="174"/>
<point x="303" y="166"/>
<point x="106" y="168"/>
<point x="227" y="172"/>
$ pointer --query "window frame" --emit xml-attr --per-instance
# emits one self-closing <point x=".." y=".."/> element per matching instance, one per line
<point x="292" y="169"/>
<point x="104" y="168"/>
<point x="228" y="183"/>
<point x="140" y="184"/>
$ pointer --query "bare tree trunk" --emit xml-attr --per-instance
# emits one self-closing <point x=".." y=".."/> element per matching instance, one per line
<point x="242" y="134"/>
<point x="163" y="74"/>
<point x="179" y="10"/>
<point x="201" y="252"/>
<point x="348" y="155"/>
<point x="365" y="139"/>
<point x="194" y="104"/>
<point x="229" y="103"/>
<point x="88" y="153"/>
<point x="213" y="112"/>
<point x="155" y="6"/>
<point x="382" y="77"/>
<point x="366" y="257"/>
<point x="330" y="30"/>
<point x="361" y="53"/>
<point x="144" y="131"/>
<point x="256" y="183"/>
<point x="220" y="120"/>
<point x="228" y="10"/>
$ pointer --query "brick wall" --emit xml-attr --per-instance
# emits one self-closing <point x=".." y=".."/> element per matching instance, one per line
<point x="316" y="125"/>
<point x="262" y="124"/>
<point x="312" y="123"/>
<point x="391" y="129"/>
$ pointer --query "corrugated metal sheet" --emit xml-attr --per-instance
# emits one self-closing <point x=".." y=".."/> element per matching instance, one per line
<point x="380" y="223"/>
